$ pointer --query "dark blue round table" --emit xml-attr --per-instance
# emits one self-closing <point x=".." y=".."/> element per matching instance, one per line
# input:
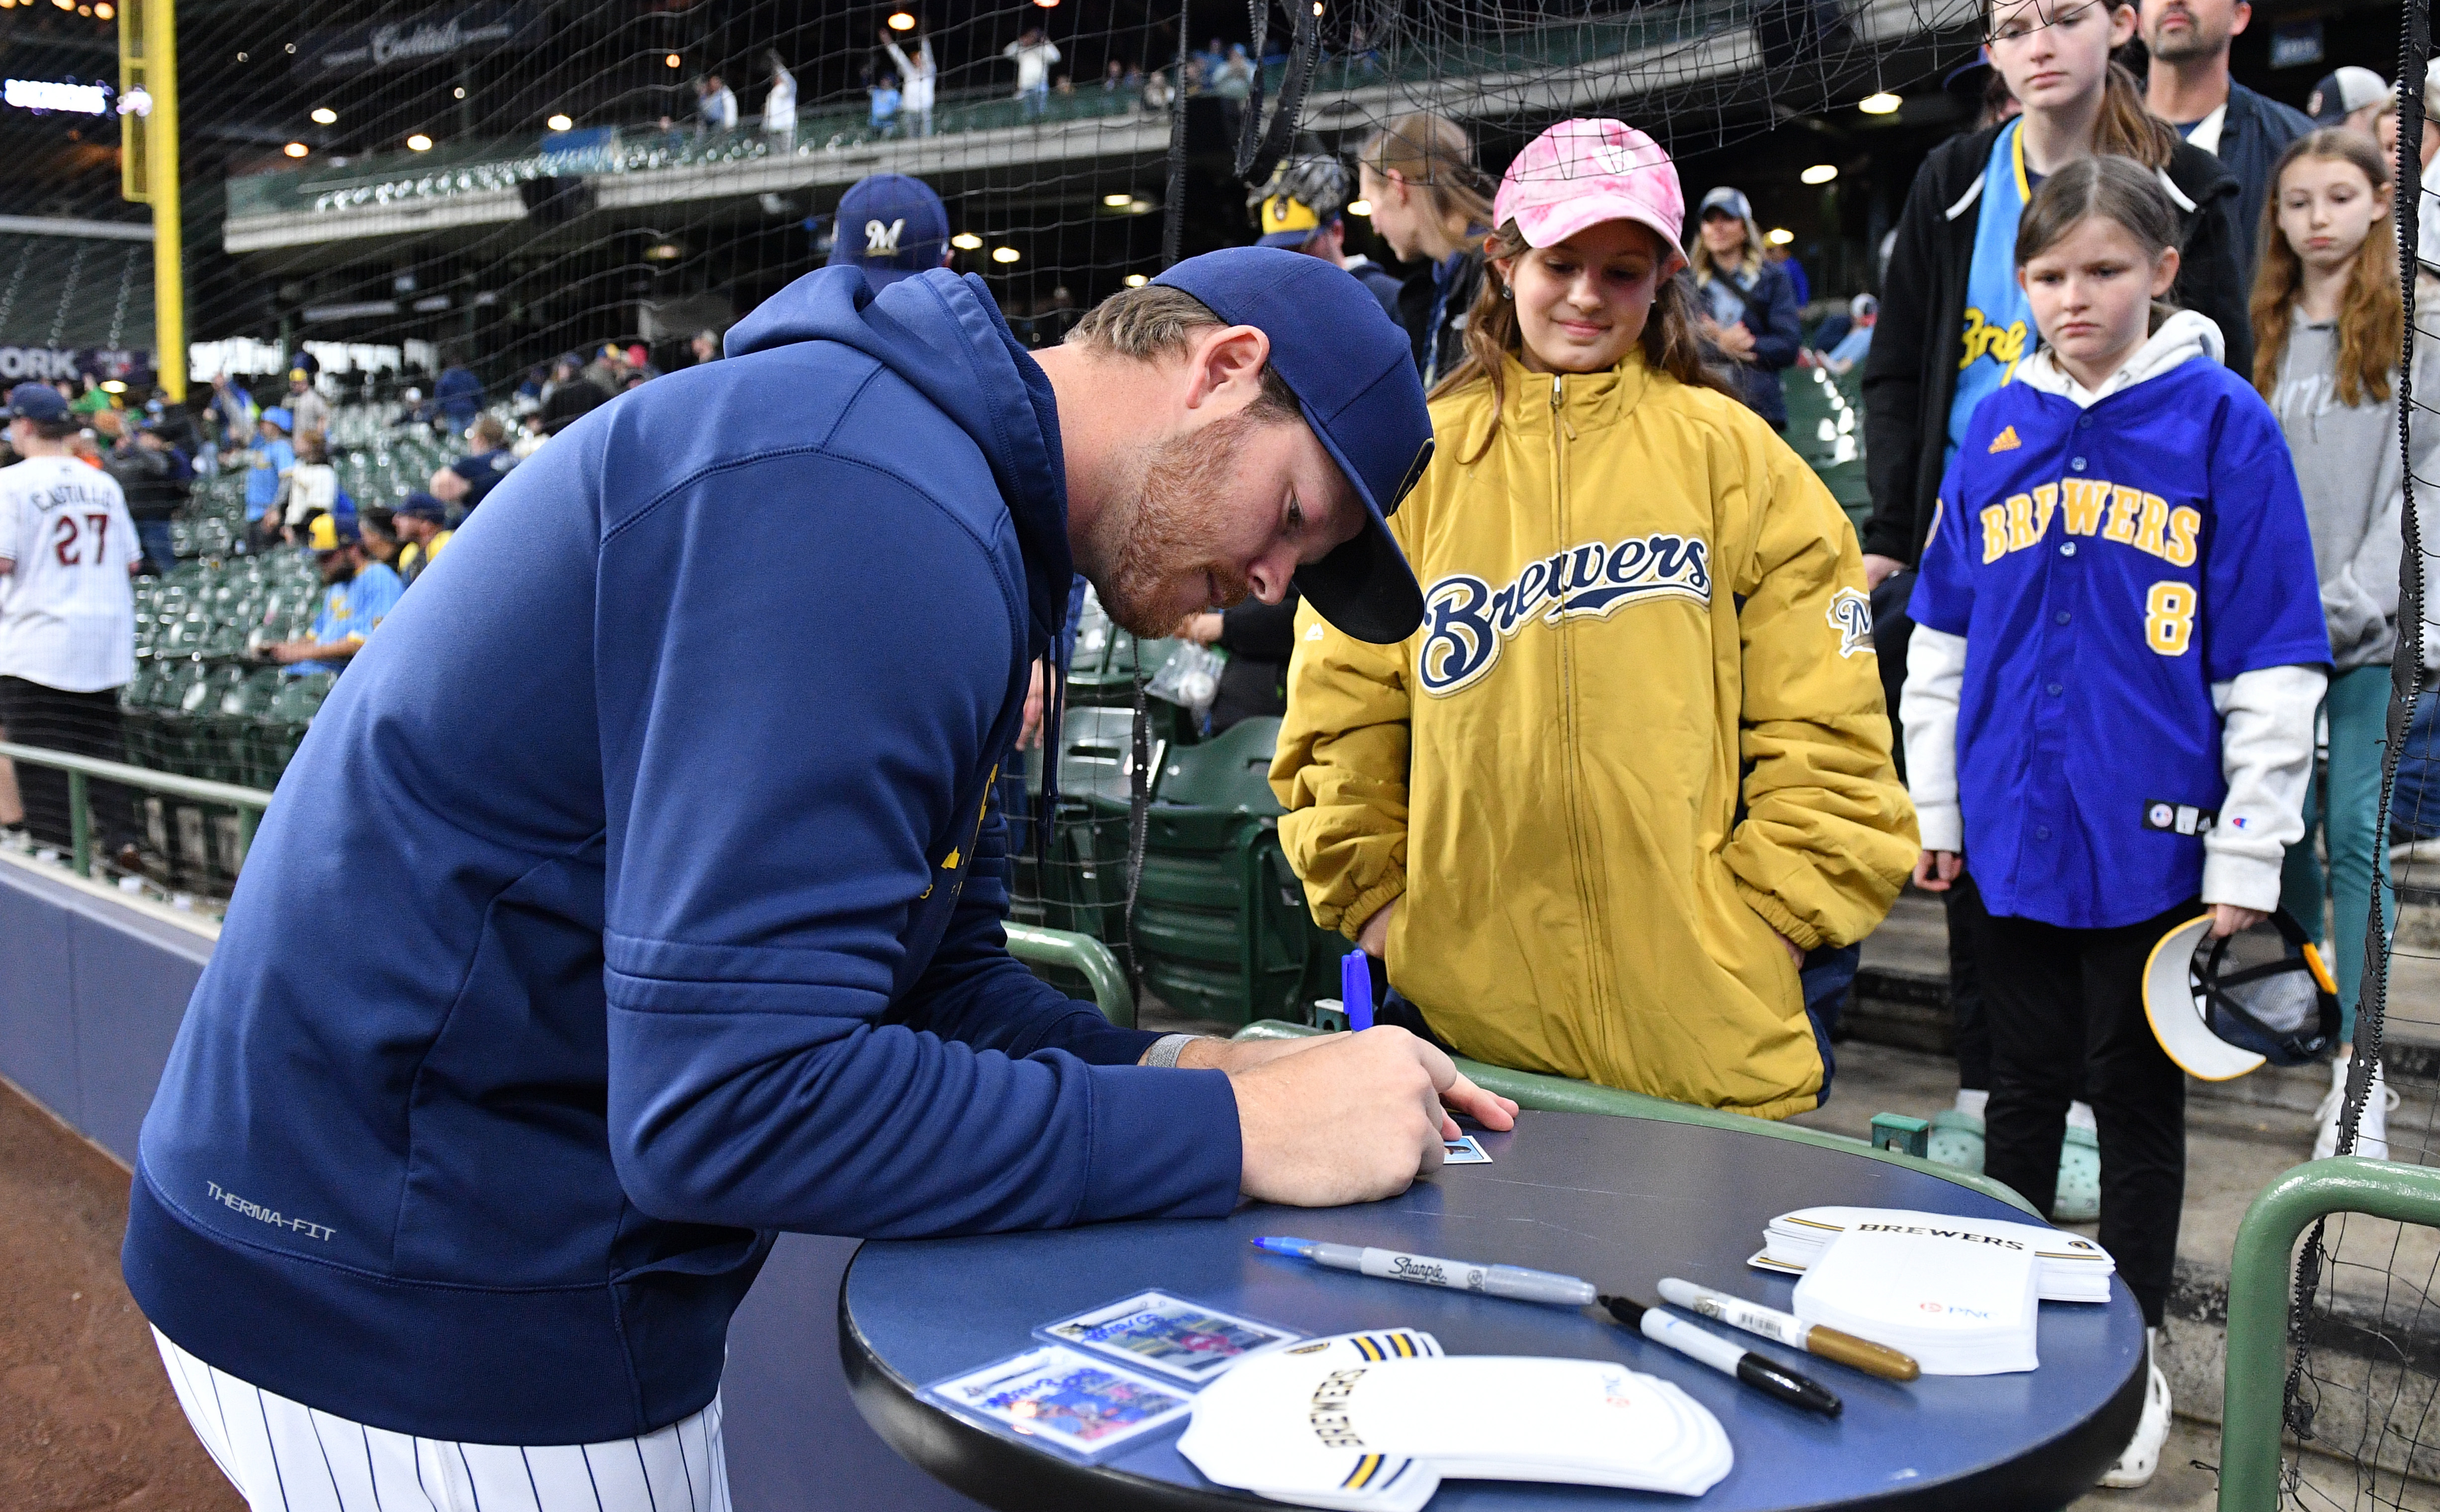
<point x="1620" y="1201"/>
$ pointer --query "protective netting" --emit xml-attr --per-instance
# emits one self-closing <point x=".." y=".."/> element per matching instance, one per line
<point x="425" y="207"/>
<point x="2364" y="1394"/>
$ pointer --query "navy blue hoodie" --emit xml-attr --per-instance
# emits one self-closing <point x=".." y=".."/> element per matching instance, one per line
<point x="634" y="897"/>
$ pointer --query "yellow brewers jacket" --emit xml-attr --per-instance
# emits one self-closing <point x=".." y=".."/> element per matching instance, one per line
<point x="1640" y="729"/>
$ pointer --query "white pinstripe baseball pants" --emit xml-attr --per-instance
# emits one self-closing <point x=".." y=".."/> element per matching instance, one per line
<point x="286" y="1457"/>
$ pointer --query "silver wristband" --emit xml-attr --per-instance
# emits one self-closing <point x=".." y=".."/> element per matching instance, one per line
<point x="1165" y="1051"/>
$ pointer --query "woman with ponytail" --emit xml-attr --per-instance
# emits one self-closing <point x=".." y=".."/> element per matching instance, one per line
<point x="1430" y="204"/>
<point x="1955" y="325"/>
<point x="1624" y="805"/>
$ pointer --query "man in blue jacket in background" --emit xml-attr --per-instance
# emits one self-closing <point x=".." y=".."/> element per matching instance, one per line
<point x="709" y="943"/>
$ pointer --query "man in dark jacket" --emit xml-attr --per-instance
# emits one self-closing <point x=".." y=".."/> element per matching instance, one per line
<point x="1918" y="344"/>
<point x="2189" y="87"/>
<point x="707" y="941"/>
<point x="155" y="477"/>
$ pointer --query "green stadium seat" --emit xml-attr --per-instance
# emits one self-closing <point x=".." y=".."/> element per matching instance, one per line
<point x="1221" y="922"/>
<point x="282" y="724"/>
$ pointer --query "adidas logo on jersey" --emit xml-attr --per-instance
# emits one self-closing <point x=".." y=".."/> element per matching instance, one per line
<point x="2005" y="441"/>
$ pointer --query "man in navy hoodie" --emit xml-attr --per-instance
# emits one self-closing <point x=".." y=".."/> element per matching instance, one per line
<point x="709" y="943"/>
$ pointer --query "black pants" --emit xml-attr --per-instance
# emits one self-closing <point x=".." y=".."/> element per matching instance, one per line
<point x="1963" y="902"/>
<point x="82" y="723"/>
<point x="2061" y="1001"/>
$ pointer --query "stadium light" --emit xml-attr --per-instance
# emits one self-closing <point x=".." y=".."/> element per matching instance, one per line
<point x="561" y="123"/>
<point x="459" y="93"/>
<point x="1883" y="103"/>
<point x="1136" y="281"/>
<point x="1820" y="173"/>
<point x="1779" y="236"/>
<point x="900" y="21"/>
<point x="112" y="386"/>
<point x="295" y="149"/>
<point x="1005" y="254"/>
<point x="664" y="252"/>
<point x="967" y="242"/>
<point x="418" y="143"/>
<point x="674" y="61"/>
<point x="1363" y="208"/>
<point x="325" y="115"/>
<point x="104" y="10"/>
<point x="1047" y="5"/>
<point x="64" y="4"/>
<point x="1118" y="202"/>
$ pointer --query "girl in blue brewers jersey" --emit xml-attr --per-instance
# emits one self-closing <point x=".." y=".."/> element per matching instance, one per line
<point x="2110" y="696"/>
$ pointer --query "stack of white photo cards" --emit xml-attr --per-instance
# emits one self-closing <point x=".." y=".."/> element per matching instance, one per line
<point x="1379" y="1419"/>
<point x="2072" y="1268"/>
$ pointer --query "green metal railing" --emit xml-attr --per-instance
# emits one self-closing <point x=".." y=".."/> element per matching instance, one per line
<point x="248" y="802"/>
<point x="1083" y="954"/>
<point x="1560" y="1094"/>
<point x="2259" y="1278"/>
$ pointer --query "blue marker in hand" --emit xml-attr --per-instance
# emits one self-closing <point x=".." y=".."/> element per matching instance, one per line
<point x="1356" y="989"/>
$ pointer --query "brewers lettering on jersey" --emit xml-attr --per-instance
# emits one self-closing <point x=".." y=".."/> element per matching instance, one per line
<point x="67" y="619"/>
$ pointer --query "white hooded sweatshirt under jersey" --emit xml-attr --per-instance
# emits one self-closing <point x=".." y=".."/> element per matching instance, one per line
<point x="67" y="616"/>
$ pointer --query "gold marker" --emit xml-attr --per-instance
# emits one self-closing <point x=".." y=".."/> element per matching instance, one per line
<point x="1786" y="1328"/>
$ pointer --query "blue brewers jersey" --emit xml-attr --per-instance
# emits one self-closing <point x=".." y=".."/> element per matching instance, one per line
<point x="2106" y="568"/>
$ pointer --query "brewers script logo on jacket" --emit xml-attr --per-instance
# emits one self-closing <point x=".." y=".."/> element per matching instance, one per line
<point x="1465" y="620"/>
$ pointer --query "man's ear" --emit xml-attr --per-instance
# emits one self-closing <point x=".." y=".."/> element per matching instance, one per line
<point x="2237" y="18"/>
<point x="1225" y="367"/>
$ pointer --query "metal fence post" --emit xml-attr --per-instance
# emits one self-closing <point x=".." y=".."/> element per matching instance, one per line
<point x="80" y="825"/>
<point x="2257" y="1302"/>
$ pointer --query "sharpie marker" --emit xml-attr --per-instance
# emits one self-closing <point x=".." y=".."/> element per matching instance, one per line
<point x="1764" y="1375"/>
<point x="1513" y="1281"/>
<point x="1786" y="1328"/>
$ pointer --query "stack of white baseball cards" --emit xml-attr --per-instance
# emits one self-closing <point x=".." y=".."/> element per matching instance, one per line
<point x="2073" y="1268"/>
<point x="1377" y="1420"/>
<point x="1961" y="1303"/>
<point x="1110" y="1376"/>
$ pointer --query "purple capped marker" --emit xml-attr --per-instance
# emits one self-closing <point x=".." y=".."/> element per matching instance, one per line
<point x="1356" y="989"/>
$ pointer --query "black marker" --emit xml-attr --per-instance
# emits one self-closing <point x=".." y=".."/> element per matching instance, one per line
<point x="1764" y="1375"/>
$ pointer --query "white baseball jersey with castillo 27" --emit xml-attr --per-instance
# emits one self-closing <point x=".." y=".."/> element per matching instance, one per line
<point x="67" y="617"/>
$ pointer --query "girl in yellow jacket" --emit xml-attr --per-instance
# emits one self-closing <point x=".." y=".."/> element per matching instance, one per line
<point x="1632" y="773"/>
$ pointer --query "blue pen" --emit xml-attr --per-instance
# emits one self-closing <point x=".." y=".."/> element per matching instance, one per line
<point x="1356" y="989"/>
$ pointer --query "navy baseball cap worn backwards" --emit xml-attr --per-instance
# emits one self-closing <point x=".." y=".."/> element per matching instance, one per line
<point x="1353" y="374"/>
<point x="890" y="225"/>
<point x="36" y="402"/>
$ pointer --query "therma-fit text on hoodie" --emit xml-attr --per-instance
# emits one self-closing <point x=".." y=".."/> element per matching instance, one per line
<point x="706" y="933"/>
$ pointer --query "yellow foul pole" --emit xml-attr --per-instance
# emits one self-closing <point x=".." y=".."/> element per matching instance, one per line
<point x="148" y="167"/>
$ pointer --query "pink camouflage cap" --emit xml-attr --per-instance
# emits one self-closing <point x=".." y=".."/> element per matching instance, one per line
<point x="1584" y="172"/>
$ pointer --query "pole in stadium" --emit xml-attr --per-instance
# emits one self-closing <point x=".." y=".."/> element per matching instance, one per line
<point x="148" y="171"/>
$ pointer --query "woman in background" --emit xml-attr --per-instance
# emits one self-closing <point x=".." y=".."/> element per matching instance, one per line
<point x="1749" y="303"/>
<point x="1429" y="202"/>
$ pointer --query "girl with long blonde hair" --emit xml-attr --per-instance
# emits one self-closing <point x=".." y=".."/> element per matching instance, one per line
<point x="1430" y="204"/>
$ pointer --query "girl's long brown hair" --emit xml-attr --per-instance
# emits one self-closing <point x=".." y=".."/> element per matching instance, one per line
<point x="1434" y="155"/>
<point x="1668" y="341"/>
<point x="2372" y="314"/>
<point x="2126" y="127"/>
